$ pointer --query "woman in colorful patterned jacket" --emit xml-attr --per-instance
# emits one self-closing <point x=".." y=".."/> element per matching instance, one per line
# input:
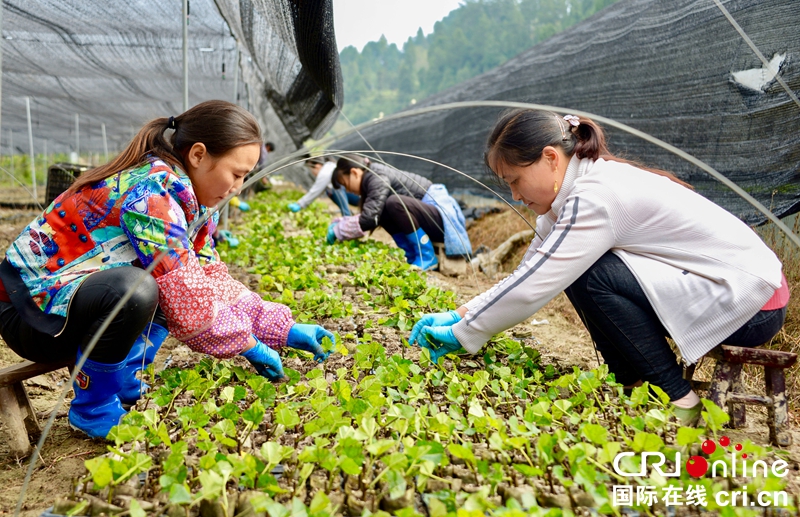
<point x="66" y="272"/>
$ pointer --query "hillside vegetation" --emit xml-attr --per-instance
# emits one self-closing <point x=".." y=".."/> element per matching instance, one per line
<point x="476" y="37"/>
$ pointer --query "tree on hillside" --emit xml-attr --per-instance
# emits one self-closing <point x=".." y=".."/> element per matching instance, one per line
<point x="476" y="37"/>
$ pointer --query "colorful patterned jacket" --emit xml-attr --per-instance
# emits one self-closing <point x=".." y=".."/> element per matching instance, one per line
<point x="128" y="219"/>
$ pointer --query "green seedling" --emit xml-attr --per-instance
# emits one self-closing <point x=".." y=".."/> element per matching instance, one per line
<point x="382" y="426"/>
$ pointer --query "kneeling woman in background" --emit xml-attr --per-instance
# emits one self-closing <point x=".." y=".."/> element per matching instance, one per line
<point x="323" y="170"/>
<point x="410" y="208"/>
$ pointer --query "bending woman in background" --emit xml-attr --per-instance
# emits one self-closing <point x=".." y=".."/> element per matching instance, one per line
<point x="322" y="170"/>
<point x="410" y="208"/>
<point x="639" y="255"/>
<point x="67" y="270"/>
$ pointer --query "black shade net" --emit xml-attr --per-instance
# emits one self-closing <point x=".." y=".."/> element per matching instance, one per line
<point x="120" y="63"/>
<point x="677" y="70"/>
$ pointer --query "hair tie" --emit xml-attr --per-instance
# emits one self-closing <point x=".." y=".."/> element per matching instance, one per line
<point x="560" y="127"/>
<point x="573" y="120"/>
<point x="171" y="123"/>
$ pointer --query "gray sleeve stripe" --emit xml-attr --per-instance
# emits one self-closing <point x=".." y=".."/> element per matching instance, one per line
<point x="532" y="270"/>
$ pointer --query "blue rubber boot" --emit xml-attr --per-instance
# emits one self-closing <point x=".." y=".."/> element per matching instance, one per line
<point x="425" y="258"/>
<point x="143" y="352"/>
<point x="96" y="407"/>
<point x="405" y="244"/>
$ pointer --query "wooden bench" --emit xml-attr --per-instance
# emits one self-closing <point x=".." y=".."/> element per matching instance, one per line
<point x="16" y="411"/>
<point x="727" y="391"/>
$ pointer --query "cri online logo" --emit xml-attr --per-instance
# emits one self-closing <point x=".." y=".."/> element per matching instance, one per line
<point x="698" y="466"/>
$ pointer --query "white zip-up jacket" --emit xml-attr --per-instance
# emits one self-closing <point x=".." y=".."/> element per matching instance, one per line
<point x="705" y="272"/>
<point x="322" y="181"/>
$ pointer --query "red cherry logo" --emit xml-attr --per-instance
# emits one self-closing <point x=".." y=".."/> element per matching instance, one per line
<point x="724" y="441"/>
<point x="738" y="446"/>
<point x="696" y="466"/>
<point x="744" y="455"/>
<point x="709" y="446"/>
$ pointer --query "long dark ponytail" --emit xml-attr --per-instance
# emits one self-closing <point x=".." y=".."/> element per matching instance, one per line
<point x="520" y="135"/>
<point x="219" y="125"/>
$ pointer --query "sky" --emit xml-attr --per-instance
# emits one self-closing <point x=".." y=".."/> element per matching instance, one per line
<point x="357" y="22"/>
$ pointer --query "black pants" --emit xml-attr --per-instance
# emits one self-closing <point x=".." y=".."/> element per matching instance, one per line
<point x="405" y="214"/>
<point x="95" y="299"/>
<point x="629" y="334"/>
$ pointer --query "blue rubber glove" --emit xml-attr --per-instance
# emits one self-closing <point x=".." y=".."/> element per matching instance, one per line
<point x="309" y="339"/>
<point x="440" y="341"/>
<point x="227" y="236"/>
<point x="295" y="207"/>
<point x="439" y="319"/>
<point x="265" y="360"/>
<point x="330" y="238"/>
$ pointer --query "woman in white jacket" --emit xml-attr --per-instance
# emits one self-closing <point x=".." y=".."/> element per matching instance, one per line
<point x="640" y="255"/>
<point x="322" y="169"/>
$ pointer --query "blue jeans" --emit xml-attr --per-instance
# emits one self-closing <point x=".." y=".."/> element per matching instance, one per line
<point x="342" y="198"/>
<point x="630" y="336"/>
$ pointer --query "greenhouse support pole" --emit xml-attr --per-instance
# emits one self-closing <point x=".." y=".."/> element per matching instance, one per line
<point x="236" y="74"/>
<point x="30" y="149"/>
<point x="44" y="155"/>
<point x="226" y="211"/>
<point x="1" y="55"/>
<point x="223" y="218"/>
<point x="78" y="136"/>
<point x="185" y="55"/>
<point x="11" y="150"/>
<point x="105" y="142"/>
